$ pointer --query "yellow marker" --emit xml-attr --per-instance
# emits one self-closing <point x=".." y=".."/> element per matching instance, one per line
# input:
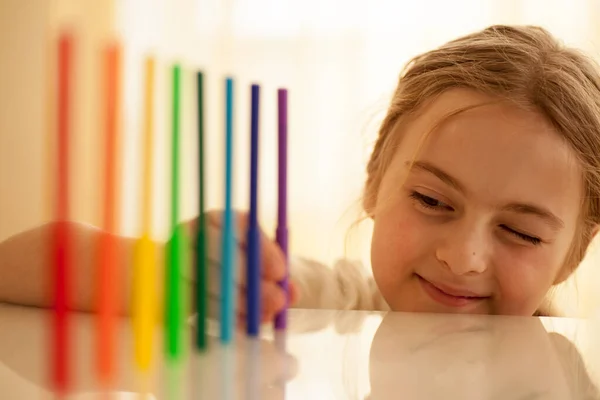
<point x="144" y="307"/>
<point x="145" y="256"/>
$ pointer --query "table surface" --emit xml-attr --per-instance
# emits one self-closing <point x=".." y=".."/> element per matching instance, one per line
<point x="327" y="355"/>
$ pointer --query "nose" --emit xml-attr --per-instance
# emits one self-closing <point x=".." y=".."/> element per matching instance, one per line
<point x="464" y="249"/>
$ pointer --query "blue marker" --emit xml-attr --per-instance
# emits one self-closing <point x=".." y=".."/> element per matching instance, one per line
<point x="253" y="256"/>
<point x="228" y="240"/>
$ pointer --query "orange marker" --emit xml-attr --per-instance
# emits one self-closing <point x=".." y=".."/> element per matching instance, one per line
<point x="108" y="255"/>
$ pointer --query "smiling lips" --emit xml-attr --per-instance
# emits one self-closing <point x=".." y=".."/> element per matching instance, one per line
<point x="449" y="296"/>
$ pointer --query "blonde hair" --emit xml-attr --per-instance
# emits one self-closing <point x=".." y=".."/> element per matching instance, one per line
<point x="524" y="65"/>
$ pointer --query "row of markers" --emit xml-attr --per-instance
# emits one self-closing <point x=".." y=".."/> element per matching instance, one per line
<point x="145" y="302"/>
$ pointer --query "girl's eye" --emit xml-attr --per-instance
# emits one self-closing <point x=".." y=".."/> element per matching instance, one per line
<point x="430" y="202"/>
<point x="531" y="239"/>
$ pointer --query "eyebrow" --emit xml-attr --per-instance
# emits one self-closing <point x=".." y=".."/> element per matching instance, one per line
<point x="546" y="215"/>
<point x="519" y="208"/>
<point x="443" y="176"/>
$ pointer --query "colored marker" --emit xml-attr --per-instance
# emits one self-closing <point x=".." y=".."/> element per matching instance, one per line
<point x="253" y="249"/>
<point x="62" y="241"/>
<point x="281" y="234"/>
<point x="228" y="239"/>
<point x="201" y="255"/>
<point x="144" y="263"/>
<point x="108" y="251"/>
<point x="176" y="244"/>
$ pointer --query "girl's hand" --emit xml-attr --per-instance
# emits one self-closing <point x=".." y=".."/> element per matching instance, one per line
<point x="273" y="269"/>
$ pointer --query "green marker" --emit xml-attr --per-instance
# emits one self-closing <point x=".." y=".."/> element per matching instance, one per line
<point x="176" y="246"/>
<point x="201" y="255"/>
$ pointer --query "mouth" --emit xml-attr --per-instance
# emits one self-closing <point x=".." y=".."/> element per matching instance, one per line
<point x="449" y="296"/>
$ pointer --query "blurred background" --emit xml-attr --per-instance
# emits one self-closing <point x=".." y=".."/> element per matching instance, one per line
<point x="339" y="59"/>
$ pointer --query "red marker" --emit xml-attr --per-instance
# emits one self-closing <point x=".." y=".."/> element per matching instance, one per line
<point x="61" y="240"/>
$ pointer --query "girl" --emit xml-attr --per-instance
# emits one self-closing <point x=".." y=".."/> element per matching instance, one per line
<point x="483" y="186"/>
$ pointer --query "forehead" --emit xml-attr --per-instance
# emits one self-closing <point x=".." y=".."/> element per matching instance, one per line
<point x="500" y="153"/>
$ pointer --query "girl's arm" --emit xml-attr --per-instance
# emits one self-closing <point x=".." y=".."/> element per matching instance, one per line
<point x="346" y="286"/>
<point x="25" y="269"/>
<point x="25" y="273"/>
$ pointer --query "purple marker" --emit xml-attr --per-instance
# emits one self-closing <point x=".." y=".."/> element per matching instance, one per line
<point x="281" y="235"/>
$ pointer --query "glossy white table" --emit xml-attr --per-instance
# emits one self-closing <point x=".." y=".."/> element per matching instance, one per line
<point x="329" y="355"/>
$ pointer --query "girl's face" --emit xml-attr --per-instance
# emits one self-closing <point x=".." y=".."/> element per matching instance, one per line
<point x="484" y="219"/>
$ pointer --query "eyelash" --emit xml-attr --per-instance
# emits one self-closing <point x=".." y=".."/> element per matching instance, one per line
<point x="424" y="201"/>
<point x="531" y="239"/>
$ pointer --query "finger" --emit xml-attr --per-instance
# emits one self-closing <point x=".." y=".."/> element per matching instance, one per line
<point x="275" y="301"/>
<point x="215" y="300"/>
<point x="273" y="260"/>
<point x="214" y="279"/>
<point x="272" y="257"/>
<point x="214" y="307"/>
<point x="215" y="218"/>
<point x="273" y="264"/>
<point x="215" y="253"/>
<point x="294" y="292"/>
<point x="215" y="264"/>
<point x="272" y="300"/>
<point x="270" y="313"/>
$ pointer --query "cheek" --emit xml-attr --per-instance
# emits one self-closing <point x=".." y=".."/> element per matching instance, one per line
<point x="522" y="281"/>
<point x="399" y="241"/>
